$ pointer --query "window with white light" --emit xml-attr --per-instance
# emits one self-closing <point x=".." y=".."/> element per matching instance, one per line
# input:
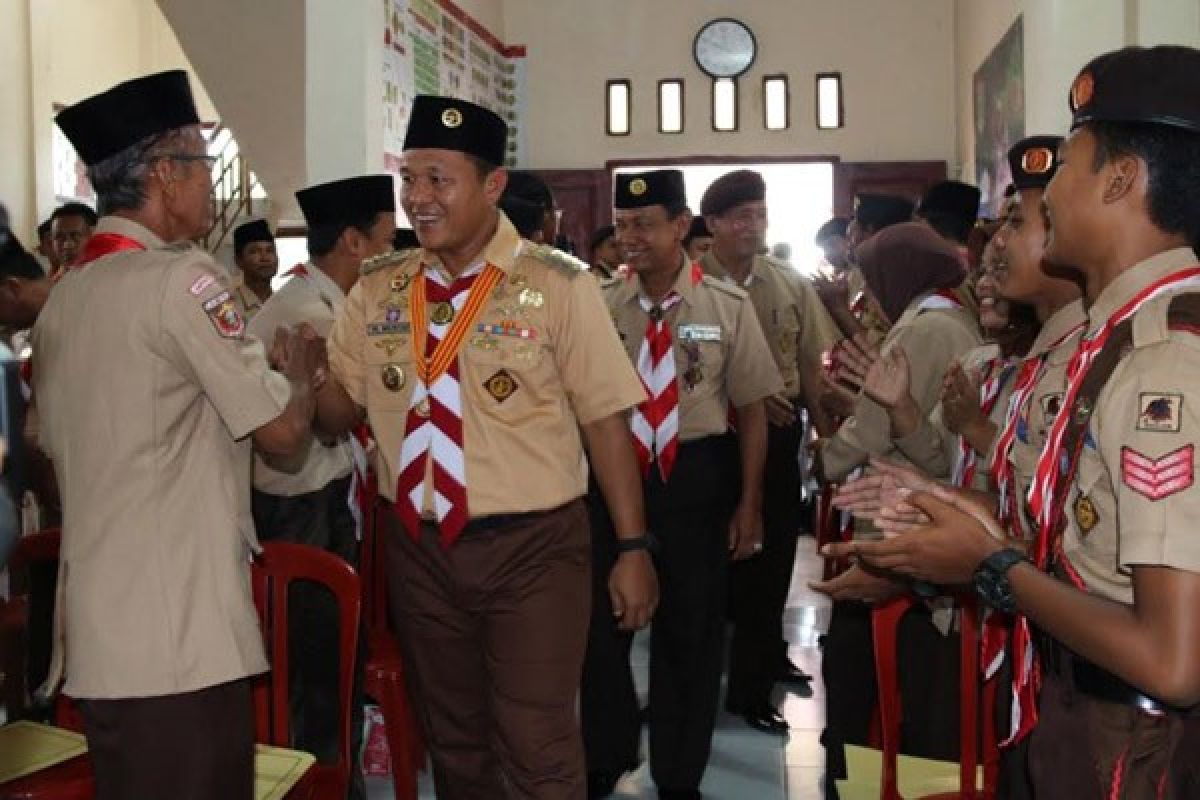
<point x="670" y="106"/>
<point x="829" y="101"/>
<point x="617" y="107"/>
<point x="775" y="103"/>
<point x="724" y="102"/>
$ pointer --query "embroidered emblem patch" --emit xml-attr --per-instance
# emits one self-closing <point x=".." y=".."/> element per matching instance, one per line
<point x="1085" y="514"/>
<point x="1157" y="478"/>
<point x="501" y="386"/>
<point x="202" y="283"/>
<point x="1082" y="90"/>
<point x="225" y="316"/>
<point x="1161" y="413"/>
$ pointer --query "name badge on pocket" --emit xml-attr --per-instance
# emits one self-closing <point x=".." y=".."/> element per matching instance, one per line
<point x="700" y="333"/>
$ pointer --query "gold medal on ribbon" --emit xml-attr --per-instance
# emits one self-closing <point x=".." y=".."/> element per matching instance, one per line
<point x="442" y="314"/>
<point x="422" y="408"/>
<point x="393" y="377"/>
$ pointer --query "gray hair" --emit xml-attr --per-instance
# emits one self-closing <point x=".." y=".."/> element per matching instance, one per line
<point x="120" y="179"/>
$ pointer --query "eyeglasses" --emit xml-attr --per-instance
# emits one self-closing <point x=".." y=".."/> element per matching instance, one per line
<point x="207" y="159"/>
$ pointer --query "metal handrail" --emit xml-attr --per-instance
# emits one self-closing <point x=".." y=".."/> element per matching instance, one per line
<point x="233" y="191"/>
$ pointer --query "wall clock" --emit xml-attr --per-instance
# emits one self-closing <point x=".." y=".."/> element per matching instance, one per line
<point x="724" y="48"/>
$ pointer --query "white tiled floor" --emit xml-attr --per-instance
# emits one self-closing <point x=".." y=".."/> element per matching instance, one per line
<point x="745" y="764"/>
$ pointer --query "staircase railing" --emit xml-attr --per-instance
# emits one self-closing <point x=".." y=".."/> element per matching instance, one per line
<point x="233" y="187"/>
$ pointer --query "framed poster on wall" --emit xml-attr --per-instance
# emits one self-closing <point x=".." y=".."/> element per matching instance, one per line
<point x="999" y="106"/>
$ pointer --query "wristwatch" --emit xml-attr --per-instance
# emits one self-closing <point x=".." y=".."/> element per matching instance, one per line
<point x="991" y="579"/>
<point x="644" y="542"/>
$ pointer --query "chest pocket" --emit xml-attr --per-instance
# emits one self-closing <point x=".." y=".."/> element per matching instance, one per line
<point x="509" y="374"/>
<point x="700" y="355"/>
<point x="390" y="373"/>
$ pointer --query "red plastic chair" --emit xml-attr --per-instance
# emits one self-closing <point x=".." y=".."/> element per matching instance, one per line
<point x="272" y="573"/>
<point x="885" y="622"/>
<point x="384" y="670"/>
<point x="71" y="780"/>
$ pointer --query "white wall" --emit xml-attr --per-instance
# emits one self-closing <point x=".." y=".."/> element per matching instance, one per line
<point x="61" y="51"/>
<point x="1060" y="37"/>
<point x="896" y="58"/>
<point x="490" y="14"/>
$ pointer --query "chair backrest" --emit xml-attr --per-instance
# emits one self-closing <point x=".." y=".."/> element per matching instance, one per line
<point x="885" y="623"/>
<point x="272" y="573"/>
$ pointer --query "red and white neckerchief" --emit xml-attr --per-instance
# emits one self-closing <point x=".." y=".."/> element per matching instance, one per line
<point x="103" y="244"/>
<point x="434" y="427"/>
<point x="655" y="421"/>
<point x="1028" y="376"/>
<point x="1051" y="485"/>
<point x="996" y="373"/>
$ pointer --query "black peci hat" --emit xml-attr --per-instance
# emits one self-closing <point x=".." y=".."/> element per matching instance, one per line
<point x="878" y="211"/>
<point x="255" y="230"/>
<point x="347" y="200"/>
<point x="1033" y="161"/>
<point x="1158" y="85"/>
<point x="663" y="187"/>
<point x="447" y="123"/>
<point x="105" y="124"/>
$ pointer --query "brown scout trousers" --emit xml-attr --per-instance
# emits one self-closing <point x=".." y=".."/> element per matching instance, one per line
<point x="192" y="746"/>
<point x="1087" y="748"/>
<point x="493" y="631"/>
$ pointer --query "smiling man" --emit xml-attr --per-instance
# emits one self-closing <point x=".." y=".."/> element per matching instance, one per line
<point x="1113" y="497"/>
<point x="481" y="361"/>
<point x="700" y="353"/>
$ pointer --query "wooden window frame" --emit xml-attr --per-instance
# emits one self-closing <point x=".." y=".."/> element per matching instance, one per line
<point x="787" y="101"/>
<point x="712" y="95"/>
<point x="841" y="105"/>
<point x="608" y="87"/>
<point x="682" y="106"/>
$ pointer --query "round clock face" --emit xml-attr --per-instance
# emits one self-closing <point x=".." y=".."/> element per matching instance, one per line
<point x="724" y="48"/>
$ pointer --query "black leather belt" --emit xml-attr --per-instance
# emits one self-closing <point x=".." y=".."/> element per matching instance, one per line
<point x="494" y="522"/>
<point x="1103" y="685"/>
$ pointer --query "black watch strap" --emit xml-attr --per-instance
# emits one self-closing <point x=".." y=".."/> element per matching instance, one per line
<point x="991" y="579"/>
<point x="643" y="542"/>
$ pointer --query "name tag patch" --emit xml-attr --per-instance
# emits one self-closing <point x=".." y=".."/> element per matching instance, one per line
<point x="699" y="333"/>
<point x="387" y="328"/>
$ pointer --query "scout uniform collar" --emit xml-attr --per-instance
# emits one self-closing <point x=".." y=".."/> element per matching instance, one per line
<point x="1057" y="327"/>
<point x="690" y="275"/>
<point x="714" y="267"/>
<point x="1130" y="282"/>
<point x="501" y="250"/>
<point x="123" y="226"/>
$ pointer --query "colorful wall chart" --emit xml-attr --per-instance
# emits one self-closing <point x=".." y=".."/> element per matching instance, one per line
<point x="434" y="47"/>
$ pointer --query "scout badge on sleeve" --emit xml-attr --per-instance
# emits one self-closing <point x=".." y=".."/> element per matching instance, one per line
<point x="1160" y="412"/>
<point x="1158" y="478"/>
<point x="225" y="316"/>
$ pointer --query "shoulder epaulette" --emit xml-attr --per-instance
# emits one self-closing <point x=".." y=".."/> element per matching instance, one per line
<point x="725" y="286"/>
<point x="1184" y="313"/>
<point x="376" y="263"/>
<point x="565" y="263"/>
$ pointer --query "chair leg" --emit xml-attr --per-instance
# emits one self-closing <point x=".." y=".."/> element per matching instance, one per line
<point x="398" y="722"/>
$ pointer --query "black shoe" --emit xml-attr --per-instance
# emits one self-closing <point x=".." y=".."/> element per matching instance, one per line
<point x="791" y="674"/>
<point x="602" y="783"/>
<point x="679" y="794"/>
<point x="766" y="719"/>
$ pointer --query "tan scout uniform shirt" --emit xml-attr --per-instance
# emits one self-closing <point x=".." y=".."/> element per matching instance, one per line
<point x="1147" y="410"/>
<point x="934" y="448"/>
<point x="523" y="449"/>
<point x="147" y="392"/>
<point x="248" y="302"/>
<point x="797" y="326"/>
<point x="932" y="339"/>
<point x="715" y="336"/>
<point x="1035" y="419"/>
<point x="314" y="298"/>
